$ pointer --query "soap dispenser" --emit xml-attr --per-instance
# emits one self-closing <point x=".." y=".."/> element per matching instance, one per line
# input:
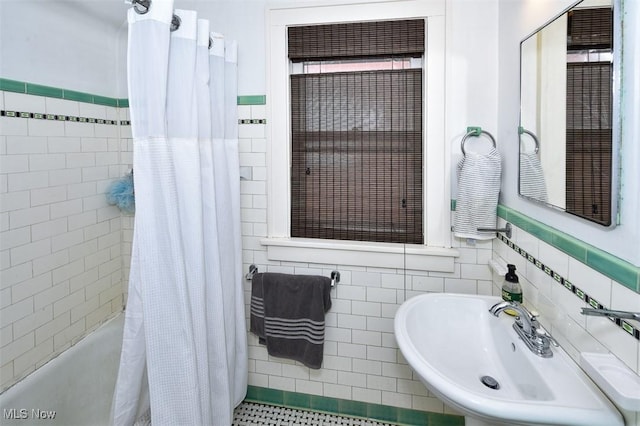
<point x="511" y="288"/>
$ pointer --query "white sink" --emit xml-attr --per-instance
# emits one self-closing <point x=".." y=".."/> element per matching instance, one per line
<point x="452" y="341"/>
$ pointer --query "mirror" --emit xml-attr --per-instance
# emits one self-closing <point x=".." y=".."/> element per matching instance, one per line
<point x="567" y="115"/>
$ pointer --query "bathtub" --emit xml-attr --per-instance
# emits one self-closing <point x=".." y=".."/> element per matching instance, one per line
<point x="73" y="389"/>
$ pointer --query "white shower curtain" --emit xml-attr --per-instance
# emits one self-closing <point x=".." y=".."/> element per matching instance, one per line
<point x="185" y="333"/>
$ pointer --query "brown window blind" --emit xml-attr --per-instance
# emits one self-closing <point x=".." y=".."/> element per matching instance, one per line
<point x="363" y="39"/>
<point x="357" y="153"/>
<point x="589" y="134"/>
<point x="590" y="29"/>
<point x="589" y="115"/>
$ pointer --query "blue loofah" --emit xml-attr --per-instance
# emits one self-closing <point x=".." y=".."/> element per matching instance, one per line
<point x="120" y="193"/>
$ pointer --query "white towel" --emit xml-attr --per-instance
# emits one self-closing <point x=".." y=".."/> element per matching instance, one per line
<point x="478" y="190"/>
<point x="532" y="183"/>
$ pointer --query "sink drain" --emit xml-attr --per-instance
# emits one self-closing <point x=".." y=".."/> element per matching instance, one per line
<point x="490" y="382"/>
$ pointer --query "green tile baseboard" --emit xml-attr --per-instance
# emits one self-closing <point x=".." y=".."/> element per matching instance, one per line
<point x="597" y="259"/>
<point x="344" y="407"/>
<point x="58" y="93"/>
<point x="16" y="86"/>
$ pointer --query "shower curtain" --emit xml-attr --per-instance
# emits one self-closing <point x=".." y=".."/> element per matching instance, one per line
<point x="185" y="333"/>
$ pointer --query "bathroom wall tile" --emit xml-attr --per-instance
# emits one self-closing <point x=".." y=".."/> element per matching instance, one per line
<point x="15" y="274"/>
<point x="65" y="177"/>
<point x="61" y="107"/>
<point x="48" y="229"/>
<point x="10" y="126"/>
<point x="93" y="111"/>
<point x="48" y="195"/>
<point x="28" y="180"/>
<point x="376" y="353"/>
<point x="14" y="163"/>
<point x="39" y="162"/>
<point x="29" y="323"/>
<point x="26" y="145"/>
<point x="282" y="383"/>
<point x="79" y="129"/>
<point x="244" y="111"/>
<point x="555" y="259"/>
<point x="615" y="339"/>
<point x="17" y="347"/>
<point x="51" y="261"/>
<point x="460" y="286"/>
<point x="381" y="295"/>
<point x="251" y="131"/>
<point x="258" y="111"/>
<point x="366" y="395"/>
<point x="29" y="216"/>
<point x="63" y="144"/>
<point x="65" y="208"/>
<point x="24" y="103"/>
<point x="593" y="283"/>
<point x="624" y="299"/>
<point x="45" y="127"/>
<point x="15" y="238"/>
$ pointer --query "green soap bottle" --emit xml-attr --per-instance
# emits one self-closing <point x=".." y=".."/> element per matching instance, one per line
<point x="511" y="288"/>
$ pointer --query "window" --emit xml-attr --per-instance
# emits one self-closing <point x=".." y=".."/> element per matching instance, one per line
<point x="356" y="131"/>
<point x="432" y="250"/>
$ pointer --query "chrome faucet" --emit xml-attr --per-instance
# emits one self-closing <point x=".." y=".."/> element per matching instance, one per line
<point x="526" y="325"/>
<point x="524" y="316"/>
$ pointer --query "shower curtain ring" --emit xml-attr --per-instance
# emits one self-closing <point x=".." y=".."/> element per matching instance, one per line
<point x="175" y="23"/>
<point x="138" y="5"/>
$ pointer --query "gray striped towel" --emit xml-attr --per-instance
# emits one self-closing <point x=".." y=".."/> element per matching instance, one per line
<point x="287" y="314"/>
<point x="478" y="190"/>
<point x="532" y="182"/>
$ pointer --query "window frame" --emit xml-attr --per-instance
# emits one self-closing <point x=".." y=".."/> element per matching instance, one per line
<point x="435" y="253"/>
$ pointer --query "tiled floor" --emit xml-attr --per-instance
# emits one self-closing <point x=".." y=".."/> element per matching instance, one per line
<point x="254" y="414"/>
<point x="250" y="414"/>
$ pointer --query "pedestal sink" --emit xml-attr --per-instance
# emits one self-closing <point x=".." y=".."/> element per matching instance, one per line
<point x="476" y="363"/>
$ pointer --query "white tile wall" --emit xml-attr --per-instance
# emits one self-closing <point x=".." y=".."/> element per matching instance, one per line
<point x="61" y="244"/>
<point x="560" y="308"/>
<point x="361" y="358"/>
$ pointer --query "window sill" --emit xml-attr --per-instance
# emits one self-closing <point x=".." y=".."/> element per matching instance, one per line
<point x="356" y="253"/>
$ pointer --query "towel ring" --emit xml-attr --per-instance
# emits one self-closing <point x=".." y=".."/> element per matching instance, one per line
<point x="522" y="130"/>
<point x="475" y="132"/>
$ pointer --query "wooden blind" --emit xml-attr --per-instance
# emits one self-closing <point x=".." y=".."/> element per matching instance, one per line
<point x="357" y="154"/>
<point x="590" y="29"/>
<point x="589" y="135"/>
<point x="363" y="39"/>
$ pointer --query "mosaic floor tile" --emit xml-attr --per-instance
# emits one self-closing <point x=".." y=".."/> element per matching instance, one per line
<point x="254" y="414"/>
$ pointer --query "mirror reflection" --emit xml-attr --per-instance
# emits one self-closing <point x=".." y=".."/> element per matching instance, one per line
<point x="566" y="80"/>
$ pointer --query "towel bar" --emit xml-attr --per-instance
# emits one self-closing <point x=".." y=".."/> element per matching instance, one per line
<point x="253" y="269"/>
<point x="506" y="230"/>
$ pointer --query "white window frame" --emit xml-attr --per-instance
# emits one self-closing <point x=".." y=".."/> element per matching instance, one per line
<point x="436" y="253"/>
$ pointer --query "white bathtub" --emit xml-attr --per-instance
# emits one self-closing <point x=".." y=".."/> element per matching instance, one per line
<point x="76" y="387"/>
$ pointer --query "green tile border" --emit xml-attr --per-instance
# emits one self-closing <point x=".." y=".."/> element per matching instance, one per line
<point x="15" y="86"/>
<point x="607" y="264"/>
<point x="252" y="100"/>
<point x="39" y="90"/>
<point x="344" y="407"/>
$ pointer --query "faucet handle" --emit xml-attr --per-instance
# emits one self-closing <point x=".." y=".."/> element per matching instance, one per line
<point x="543" y="333"/>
